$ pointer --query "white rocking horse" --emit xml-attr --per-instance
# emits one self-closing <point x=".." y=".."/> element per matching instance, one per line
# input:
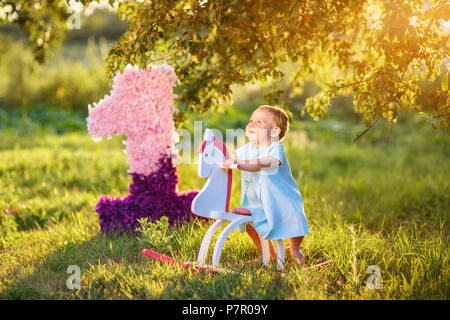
<point x="213" y="202"/>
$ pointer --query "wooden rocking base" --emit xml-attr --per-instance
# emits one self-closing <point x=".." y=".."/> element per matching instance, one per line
<point x="185" y="265"/>
<point x="203" y="269"/>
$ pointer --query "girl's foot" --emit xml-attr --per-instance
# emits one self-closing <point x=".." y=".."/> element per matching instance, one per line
<point x="257" y="260"/>
<point x="297" y="255"/>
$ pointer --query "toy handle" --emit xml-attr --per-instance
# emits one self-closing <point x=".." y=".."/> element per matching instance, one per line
<point x="233" y="166"/>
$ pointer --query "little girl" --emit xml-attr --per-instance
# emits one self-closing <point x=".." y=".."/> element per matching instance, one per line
<point x="268" y="188"/>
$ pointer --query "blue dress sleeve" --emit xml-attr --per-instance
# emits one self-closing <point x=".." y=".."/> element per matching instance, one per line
<point x="275" y="150"/>
<point x="242" y="152"/>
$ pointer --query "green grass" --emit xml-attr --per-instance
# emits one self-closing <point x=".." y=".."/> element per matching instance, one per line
<point x="378" y="202"/>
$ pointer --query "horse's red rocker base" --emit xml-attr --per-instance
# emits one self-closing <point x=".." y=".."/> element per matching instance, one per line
<point x="203" y="269"/>
<point x="172" y="261"/>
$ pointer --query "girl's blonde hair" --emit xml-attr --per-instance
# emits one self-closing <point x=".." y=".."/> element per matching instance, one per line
<point x="280" y="117"/>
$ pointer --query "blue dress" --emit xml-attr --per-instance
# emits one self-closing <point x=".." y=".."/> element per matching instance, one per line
<point x="272" y="195"/>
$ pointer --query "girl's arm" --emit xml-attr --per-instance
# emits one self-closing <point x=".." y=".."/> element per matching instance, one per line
<point x="252" y="165"/>
<point x="258" y="164"/>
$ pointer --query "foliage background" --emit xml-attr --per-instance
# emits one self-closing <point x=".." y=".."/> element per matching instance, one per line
<point x="381" y="201"/>
<point x="376" y="50"/>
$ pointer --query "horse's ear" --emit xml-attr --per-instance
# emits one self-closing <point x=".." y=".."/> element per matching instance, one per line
<point x="201" y="147"/>
<point x="209" y="135"/>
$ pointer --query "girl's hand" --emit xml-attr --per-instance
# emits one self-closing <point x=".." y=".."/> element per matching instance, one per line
<point x="227" y="163"/>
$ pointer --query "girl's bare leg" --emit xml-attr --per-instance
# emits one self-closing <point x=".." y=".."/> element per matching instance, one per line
<point x="255" y="237"/>
<point x="294" y="249"/>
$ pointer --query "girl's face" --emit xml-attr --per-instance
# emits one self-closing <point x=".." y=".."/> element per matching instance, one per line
<point x="260" y="126"/>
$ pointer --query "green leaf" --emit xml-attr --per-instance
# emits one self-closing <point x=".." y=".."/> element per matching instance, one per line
<point x="294" y="9"/>
<point x="122" y="66"/>
<point x="444" y="84"/>
<point x="204" y="32"/>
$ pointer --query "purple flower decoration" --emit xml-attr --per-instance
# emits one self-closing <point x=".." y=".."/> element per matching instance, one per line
<point x="151" y="196"/>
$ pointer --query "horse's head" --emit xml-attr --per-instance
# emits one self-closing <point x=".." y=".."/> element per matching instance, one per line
<point x="215" y="194"/>
<point x="212" y="151"/>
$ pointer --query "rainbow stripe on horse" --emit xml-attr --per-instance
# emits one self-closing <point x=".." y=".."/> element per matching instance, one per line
<point x="222" y="147"/>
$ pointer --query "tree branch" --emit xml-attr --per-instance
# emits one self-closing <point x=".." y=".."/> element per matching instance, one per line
<point x="441" y="116"/>
<point x="291" y="86"/>
<point x="365" y="131"/>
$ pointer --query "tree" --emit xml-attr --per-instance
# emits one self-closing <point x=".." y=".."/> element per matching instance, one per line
<point x="374" y="49"/>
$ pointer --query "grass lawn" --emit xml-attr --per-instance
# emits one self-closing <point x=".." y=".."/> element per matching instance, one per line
<point x="382" y="202"/>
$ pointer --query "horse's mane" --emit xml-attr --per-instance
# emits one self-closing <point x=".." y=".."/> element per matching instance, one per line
<point x="217" y="143"/>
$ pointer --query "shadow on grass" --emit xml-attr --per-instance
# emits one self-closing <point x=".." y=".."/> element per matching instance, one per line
<point x="41" y="218"/>
<point x="112" y="267"/>
<point x="47" y="279"/>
